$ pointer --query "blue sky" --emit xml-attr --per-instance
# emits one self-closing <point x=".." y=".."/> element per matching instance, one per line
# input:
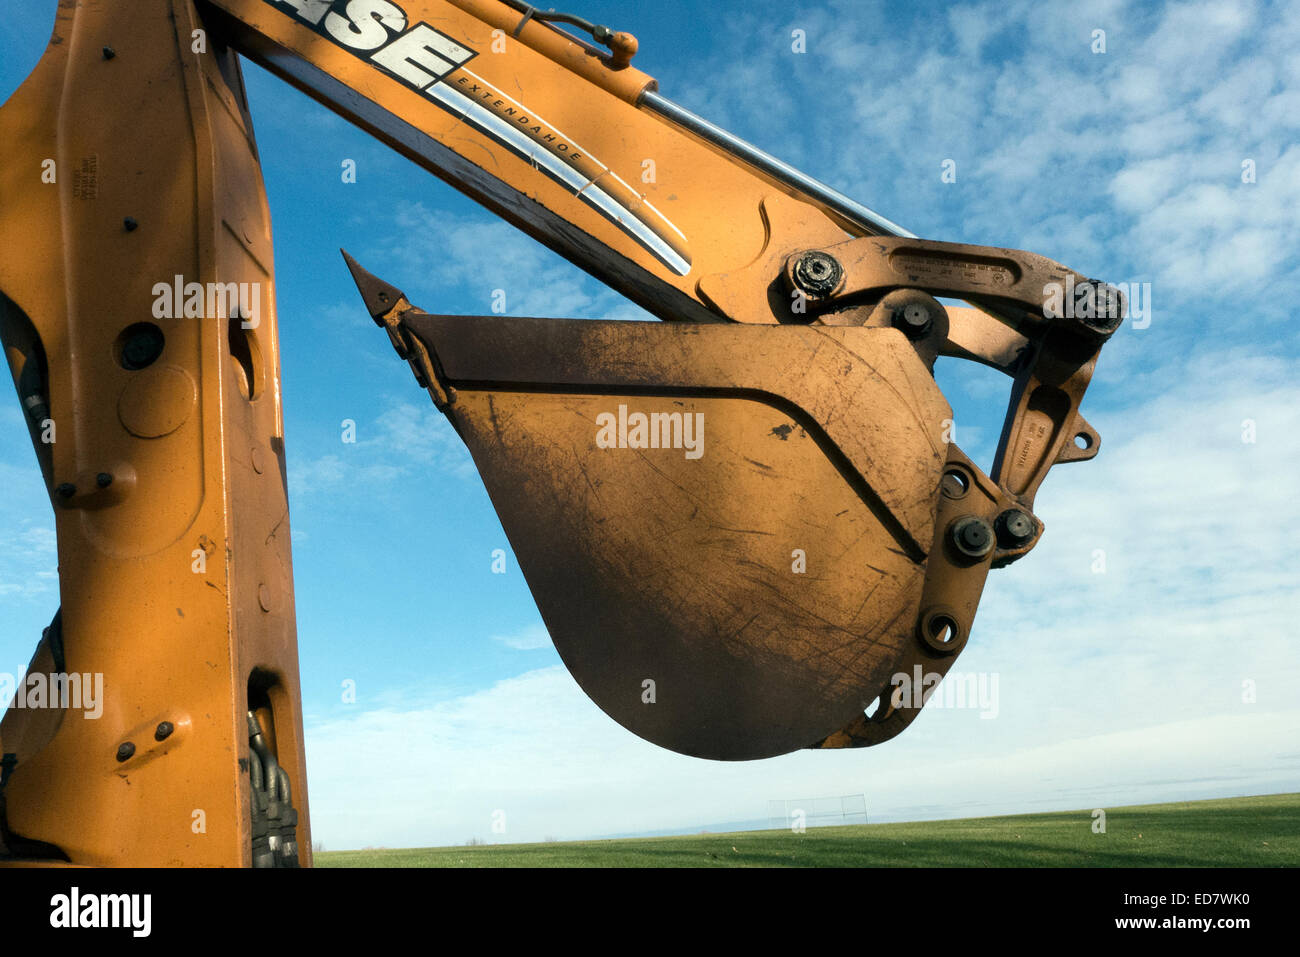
<point x="1115" y="687"/>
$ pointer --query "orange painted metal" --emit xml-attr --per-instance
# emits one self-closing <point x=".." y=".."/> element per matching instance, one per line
<point x="175" y="572"/>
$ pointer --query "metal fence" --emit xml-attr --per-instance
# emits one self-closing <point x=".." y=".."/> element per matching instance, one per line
<point x="817" y="812"/>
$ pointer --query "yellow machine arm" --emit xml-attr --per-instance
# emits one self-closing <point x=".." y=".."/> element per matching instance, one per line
<point x="797" y="363"/>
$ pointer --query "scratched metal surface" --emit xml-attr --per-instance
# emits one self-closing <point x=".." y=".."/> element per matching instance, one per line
<point x="652" y="566"/>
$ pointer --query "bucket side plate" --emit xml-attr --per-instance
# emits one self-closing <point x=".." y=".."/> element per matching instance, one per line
<point x="739" y="578"/>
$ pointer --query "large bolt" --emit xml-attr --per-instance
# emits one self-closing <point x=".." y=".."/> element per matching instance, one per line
<point x="163" y="731"/>
<point x="103" y="479"/>
<point x="65" y="490"/>
<point x="109" y="53"/>
<point x="1109" y="307"/>
<point x="914" y="320"/>
<point x="125" y="750"/>
<point x="1015" y="528"/>
<point x="130" y="224"/>
<point x="971" y="536"/>
<point x="817" y="273"/>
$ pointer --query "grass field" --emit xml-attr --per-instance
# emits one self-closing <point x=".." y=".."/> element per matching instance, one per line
<point x="1248" y="832"/>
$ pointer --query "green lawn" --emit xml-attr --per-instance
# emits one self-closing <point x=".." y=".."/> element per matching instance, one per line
<point x="1250" y="832"/>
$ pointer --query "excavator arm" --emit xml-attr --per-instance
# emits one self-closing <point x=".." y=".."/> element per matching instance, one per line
<point x="738" y="524"/>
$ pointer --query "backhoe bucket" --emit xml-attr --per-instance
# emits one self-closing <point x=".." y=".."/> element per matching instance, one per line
<point x="725" y="527"/>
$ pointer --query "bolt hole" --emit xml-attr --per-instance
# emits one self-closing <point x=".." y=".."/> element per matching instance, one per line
<point x="955" y="484"/>
<point x="1083" y="441"/>
<point x="138" y="346"/>
<point x="943" y="629"/>
<point x="248" y="357"/>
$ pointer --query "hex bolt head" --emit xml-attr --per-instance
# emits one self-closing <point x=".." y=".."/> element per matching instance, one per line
<point x="1109" y="307"/>
<point x="914" y="320"/>
<point x="103" y="479"/>
<point x="109" y="53"/>
<point x="65" y="490"/>
<point x="817" y="273"/>
<point x="125" y="750"/>
<point x="164" y="731"/>
<point x="130" y="224"/>
<point x="1015" y="528"/>
<point x="971" y="536"/>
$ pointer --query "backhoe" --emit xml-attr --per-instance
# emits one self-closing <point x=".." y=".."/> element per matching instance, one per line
<point x="739" y="522"/>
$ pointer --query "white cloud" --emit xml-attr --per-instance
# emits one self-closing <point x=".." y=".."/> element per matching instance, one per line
<point x="29" y="560"/>
<point x="1127" y="161"/>
<point x="526" y="639"/>
<point x="491" y="258"/>
<point x="535" y="748"/>
<point x="405" y="439"/>
<point x="971" y="27"/>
